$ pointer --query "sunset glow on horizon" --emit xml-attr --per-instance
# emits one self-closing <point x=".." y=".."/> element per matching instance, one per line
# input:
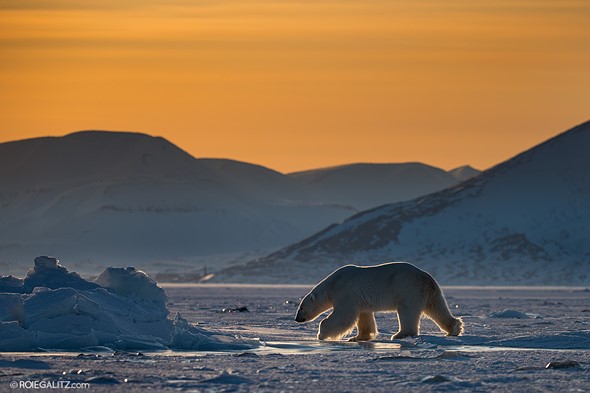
<point x="294" y="85"/>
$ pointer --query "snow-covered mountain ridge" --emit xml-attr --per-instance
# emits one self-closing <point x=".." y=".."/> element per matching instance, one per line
<point x="524" y="221"/>
<point x="98" y="198"/>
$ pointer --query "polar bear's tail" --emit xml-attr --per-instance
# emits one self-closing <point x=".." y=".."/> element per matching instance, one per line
<point x="437" y="309"/>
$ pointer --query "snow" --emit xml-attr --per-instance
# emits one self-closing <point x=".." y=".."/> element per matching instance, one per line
<point x="129" y="282"/>
<point x="551" y="353"/>
<point x="510" y="314"/>
<point x="121" y="309"/>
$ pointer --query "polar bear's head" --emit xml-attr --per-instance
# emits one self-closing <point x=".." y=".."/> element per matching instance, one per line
<point x="306" y="307"/>
<point x="311" y="307"/>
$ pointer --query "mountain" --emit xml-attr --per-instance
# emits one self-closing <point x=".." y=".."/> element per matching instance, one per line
<point x="464" y="172"/>
<point x="90" y="156"/>
<point x="96" y="198"/>
<point x="524" y="221"/>
<point x="364" y="186"/>
<point x="101" y="198"/>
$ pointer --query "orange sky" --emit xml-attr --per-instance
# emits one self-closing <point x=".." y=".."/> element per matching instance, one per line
<point x="295" y="84"/>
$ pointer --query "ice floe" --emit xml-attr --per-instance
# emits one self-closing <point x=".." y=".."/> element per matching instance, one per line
<point x="52" y="308"/>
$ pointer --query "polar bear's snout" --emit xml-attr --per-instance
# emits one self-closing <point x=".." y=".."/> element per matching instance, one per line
<point x="299" y="317"/>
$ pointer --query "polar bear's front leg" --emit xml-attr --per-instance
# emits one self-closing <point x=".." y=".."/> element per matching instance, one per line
<point x="337" y="324"/>
<point x="366" y="327"/>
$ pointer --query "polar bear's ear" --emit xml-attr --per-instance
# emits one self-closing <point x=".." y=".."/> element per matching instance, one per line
<point x="312" y="297"/>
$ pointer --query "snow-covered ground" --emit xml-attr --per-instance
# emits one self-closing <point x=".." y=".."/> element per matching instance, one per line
<point x="516" y="339"/>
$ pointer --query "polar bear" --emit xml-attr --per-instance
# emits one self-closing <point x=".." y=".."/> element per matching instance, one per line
<point x="356" y="292"/>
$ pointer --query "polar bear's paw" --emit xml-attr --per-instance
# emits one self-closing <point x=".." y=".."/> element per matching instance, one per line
<point x="400" y="335"/>
<point x="456" y="328"/>
<point x="362" y="338"/>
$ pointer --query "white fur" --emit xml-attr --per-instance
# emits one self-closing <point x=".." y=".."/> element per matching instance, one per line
<point x="356" y="292"/>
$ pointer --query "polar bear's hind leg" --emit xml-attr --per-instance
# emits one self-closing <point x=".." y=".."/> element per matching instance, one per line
<point x="438" y="310"/>
<point x="409" y="321"/>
